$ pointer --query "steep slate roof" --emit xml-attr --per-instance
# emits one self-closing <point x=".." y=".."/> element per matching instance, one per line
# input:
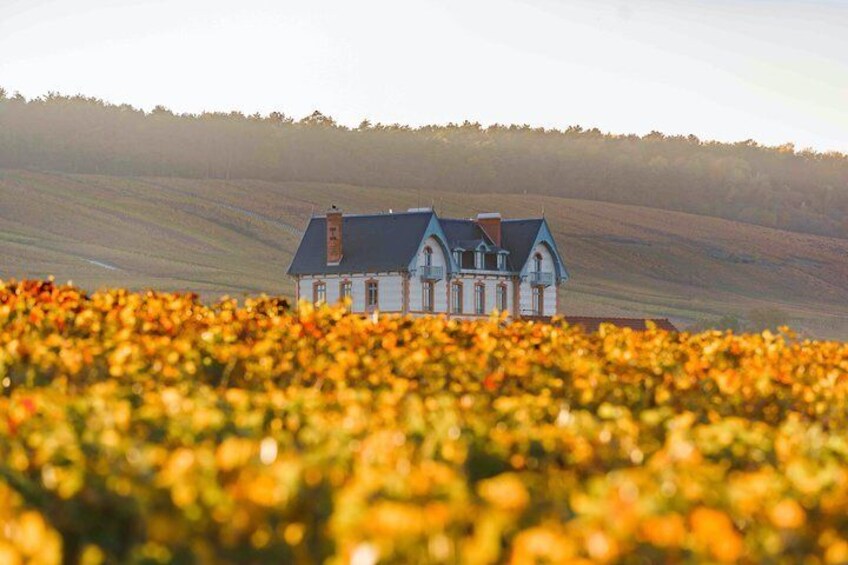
<point x="518" y="236"/>
<point x="463" y="233"/>
<point x="370" y="243"/>
<point x="388" y="242"/>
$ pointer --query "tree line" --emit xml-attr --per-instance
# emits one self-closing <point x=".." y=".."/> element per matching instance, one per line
<point x="778" y="187"/>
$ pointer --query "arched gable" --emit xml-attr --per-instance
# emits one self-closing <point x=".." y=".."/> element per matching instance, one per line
<point x="434" y="236"/>
<point x="545" y="240"/>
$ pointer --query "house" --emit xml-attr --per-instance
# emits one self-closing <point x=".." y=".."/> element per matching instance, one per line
<point x="417" y="263"/>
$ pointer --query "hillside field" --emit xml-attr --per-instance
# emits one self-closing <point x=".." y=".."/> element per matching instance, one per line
<point x="235" y="237"/>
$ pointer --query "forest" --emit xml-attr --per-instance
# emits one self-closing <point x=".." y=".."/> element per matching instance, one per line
<point x="779" y="187"/>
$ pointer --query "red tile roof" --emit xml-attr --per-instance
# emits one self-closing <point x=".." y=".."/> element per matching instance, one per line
<point x="590" y="324"/>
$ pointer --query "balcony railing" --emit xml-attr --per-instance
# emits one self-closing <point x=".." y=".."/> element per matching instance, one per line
<point x="431" y="273"/>
<point x="541" y="279"/>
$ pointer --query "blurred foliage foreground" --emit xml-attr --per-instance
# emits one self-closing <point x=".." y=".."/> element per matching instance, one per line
<point x="153" y="428"/>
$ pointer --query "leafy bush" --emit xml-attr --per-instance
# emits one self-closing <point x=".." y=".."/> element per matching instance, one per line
<point x="152" y="428"/>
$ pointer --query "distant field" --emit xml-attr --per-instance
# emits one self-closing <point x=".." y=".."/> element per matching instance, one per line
<point x="233" y="237"/>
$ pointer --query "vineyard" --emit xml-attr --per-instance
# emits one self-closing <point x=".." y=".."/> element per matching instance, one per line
<point x="154" y="428"/>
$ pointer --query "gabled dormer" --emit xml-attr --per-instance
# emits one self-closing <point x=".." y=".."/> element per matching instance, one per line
<point x="475" y="244"/>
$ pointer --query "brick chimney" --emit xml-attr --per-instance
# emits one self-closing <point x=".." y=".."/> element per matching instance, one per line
<point x="334" y="236"/>
<point x="491" y="224"/>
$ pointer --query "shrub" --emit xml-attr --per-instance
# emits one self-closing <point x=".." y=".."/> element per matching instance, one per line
<point x="153" y="428"/>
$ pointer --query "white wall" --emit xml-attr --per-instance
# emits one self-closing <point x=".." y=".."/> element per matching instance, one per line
<point x="491" y="284"/>
<point x="390" y="290"/>
<point x="526" y="291"/>
<point x="416" y="293"/>
<point x="526" y="299"/>
<point x="548" y="265"/>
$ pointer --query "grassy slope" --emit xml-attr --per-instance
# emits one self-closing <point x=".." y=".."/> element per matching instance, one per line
<point x="219" y="237"/>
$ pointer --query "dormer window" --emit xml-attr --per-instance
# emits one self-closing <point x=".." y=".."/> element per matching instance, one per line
<point x="478" y="259"/>
<point x="501" y="262"/>
<point x="457" y="256"/>
<point x="537" y="262"/>
<point x="428" y="257"/>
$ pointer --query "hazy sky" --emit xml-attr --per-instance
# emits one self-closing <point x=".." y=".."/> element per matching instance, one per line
<point x="774" y="71"/>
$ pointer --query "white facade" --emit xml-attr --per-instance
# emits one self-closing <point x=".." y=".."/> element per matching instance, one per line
<point x="389" y="289"/>
<point x="391" y="293"/>
<point x="490" y="284"/>
<point x="405" y="292"/>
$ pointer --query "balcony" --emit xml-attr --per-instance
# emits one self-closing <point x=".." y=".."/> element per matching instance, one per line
<point x="541" y="279"/>
<point x="431" y="273"/>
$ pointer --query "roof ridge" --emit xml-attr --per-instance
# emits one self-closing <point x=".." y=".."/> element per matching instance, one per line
<point x="380" y="214"/>
<point x="474" y="220"/>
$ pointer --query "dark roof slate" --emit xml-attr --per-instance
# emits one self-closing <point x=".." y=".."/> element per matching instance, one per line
<point x="463" y="232"/>
<point x="469" y="244"/>
<point x="518" y="236"/>
<point x="370" y="244"/>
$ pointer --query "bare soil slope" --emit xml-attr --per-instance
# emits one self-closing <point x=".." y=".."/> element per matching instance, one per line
<point x="232" y="237"/>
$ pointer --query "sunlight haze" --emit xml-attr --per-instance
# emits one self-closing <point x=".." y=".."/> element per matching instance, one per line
<point x="776" y="72"/>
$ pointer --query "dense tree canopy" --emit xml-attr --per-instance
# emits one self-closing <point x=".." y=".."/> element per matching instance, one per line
<point x="771" y="186"/>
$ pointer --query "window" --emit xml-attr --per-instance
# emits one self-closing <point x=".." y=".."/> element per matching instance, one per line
<point x="478" y="259"/>
<point x="538" y="301"/>
<point x="500" y="298"/>
<point x="319" y="293"/>
<point x="501" y="262"/>
<point x="428" y="257"/>
<point x="345" y="291"/>
<point x="372" y="295"/>
<point x="537" y="262"/>
<point x="479" y="299"/>
<point x="428" y="296"/>
<point x="456" y="298"/>
<point x="457" y="256"/>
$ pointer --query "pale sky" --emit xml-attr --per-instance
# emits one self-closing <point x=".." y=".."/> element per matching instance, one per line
<point x="773" y="71"/>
